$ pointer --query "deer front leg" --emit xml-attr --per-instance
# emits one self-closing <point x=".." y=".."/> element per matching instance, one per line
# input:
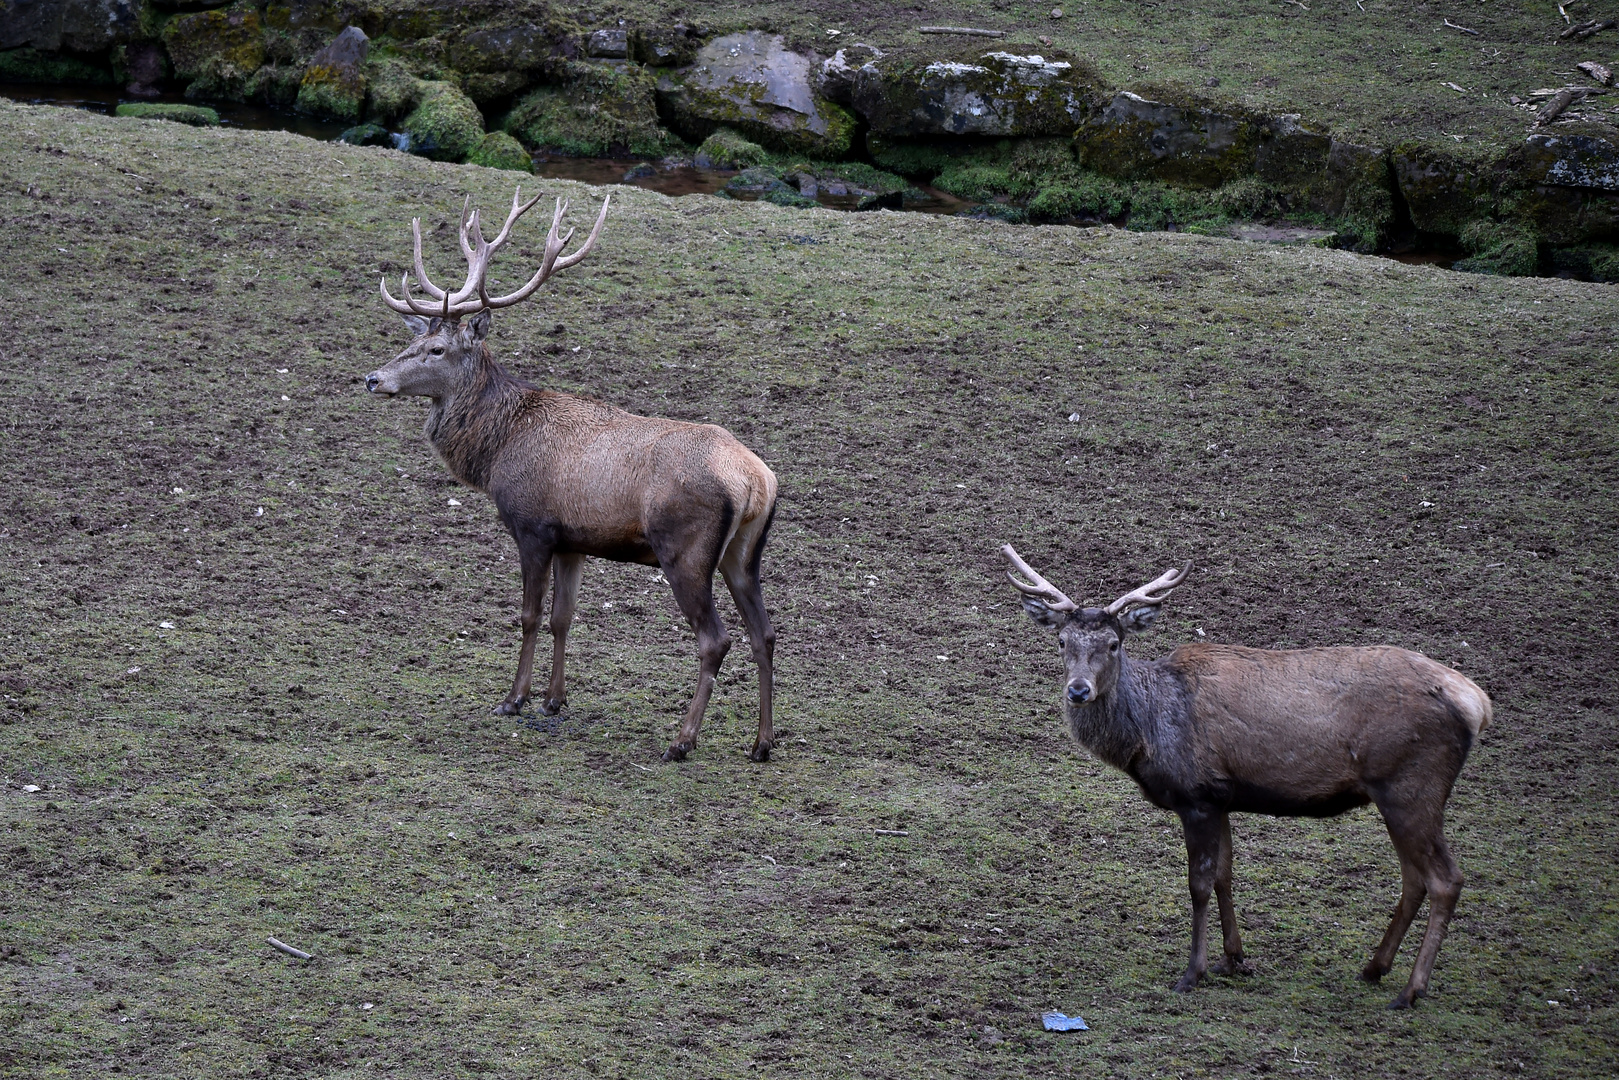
<point x="1202" y="863"/>
<point x="536" y="562"/>
<point x="1232" y="964"/>
<point x="564" y="598"/>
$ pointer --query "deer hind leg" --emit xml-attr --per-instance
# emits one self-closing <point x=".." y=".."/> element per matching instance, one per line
<point x="1412" y="890"/>
<point x="1430" y="856"/>
<point x="1232" y="964"/>
<point x="691" y="576"/>
<point x="535" y="557"/>
<point x="1203" y="832"/>
<point x="564" y="599"/>
<point x="740" y="567"/>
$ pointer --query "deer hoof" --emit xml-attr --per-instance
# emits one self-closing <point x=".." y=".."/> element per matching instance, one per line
<point x="1234" y="965"/>
<point x="760" y="752"/>
<point x="508" y="708"/>
<point x="553" y="706"/>
<point x="677" y="752"/>
<point x="1373" y="973"/>
<point x="1405" y="1000"/>
<point x="1186" y="984"/>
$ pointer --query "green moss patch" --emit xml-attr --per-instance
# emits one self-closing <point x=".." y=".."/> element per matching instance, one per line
<point x="217" y="51"/>
<point x="726" y="149"/>
<point x="194" y="115"/>
<point x="31" y="65"/>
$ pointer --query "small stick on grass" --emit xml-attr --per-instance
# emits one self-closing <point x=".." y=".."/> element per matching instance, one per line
<point x="1463" y="29"/>
<point x="964" y="31"/>
<point x="288" y="949"/>
<point x="892" y="832"/>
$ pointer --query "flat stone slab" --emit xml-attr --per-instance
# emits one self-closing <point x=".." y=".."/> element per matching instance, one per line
<point x="1000" y="94"/>
<point x="1581" y="161"/>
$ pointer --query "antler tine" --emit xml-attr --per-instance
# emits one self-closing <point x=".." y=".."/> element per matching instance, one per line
<point x="461" y="234"/>
<point x="409" y="305"/>
<point x="519" y="208"/>
<point x="590" y="241"/>
<point x="551" y="263"/>
<point x="421" y="270"/>
<point x="1040" y="588"/>
<point x="1153" y="593"/>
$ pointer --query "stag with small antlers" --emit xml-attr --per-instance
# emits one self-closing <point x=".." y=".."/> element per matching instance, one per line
<point x="1211" y="730"/>
<point x="572" y="477"/>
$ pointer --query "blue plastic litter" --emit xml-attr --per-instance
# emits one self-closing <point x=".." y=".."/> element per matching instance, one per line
<point x="1056" y="1021"/>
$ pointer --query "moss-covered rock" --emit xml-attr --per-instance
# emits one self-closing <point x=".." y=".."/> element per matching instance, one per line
<point x="754" y="84"/>
<point x="394" y="90"/>
<point x="1444" y="191"/>
<point x="664" y="46"/>
<point x="1505" y="248"/>
<point x="908" y="94"/>
<point x="333" y="85"/>
<point x="725" y="149"/>
<point x="445" y="125"/>
<point x="275" y="85"/>
<point x="216" y="52"/>
<point x="31" y="65"/>
<point x="1588" y="262"/>
<point x="599" y="109"/>
<point x="765" y="185"/>
<point x="1189" y="145"/>
<point x="367" y="135"/>
<point x="499" y="150"/>
<point x="195" y="115"/>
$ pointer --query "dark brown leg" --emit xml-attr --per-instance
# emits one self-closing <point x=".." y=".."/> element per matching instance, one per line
<point x="693" y="587"/>
<point x="1232" y="964"/>
<point x="564" y="598"/>
<point x="1426" y="865"/>
<point x="1203" y="829"/>
<point x="535" y="557"/>
<point x="743" y="581"/>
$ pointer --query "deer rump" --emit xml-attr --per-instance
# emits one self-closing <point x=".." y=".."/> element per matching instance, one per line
<point x="1300" y="733"/>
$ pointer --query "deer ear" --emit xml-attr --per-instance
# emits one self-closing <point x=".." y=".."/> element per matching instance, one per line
<point x="417" y="324"/>
<point x="1139" y="620"/>
<point x="477" y="327"/>
<point x="1042" y="615"/>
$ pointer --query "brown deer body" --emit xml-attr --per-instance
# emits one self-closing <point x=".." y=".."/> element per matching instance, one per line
<point x="1211" y="730"/>
<point x="572" y="477"/>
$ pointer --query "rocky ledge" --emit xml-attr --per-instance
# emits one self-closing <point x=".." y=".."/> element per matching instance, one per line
<point x="1028" y="133"/>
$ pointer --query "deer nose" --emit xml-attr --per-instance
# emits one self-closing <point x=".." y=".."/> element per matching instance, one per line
<point x="371" y="381"/>
<point x="1081" y="692"/>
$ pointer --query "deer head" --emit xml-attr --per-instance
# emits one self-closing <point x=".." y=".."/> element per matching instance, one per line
<point x="1091" y="639"/>
<point x="446" y="348"/>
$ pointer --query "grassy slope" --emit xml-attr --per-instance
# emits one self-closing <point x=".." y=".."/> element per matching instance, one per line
<point x="1372" y="72"/>
<point x="308" y="752"/>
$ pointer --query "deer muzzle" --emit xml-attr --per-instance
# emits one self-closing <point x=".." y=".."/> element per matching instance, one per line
<point x="373" y="383"/>
<point x="1080" y="692"/>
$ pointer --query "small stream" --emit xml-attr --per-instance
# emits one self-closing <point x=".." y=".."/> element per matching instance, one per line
<point x="668" y="177"/>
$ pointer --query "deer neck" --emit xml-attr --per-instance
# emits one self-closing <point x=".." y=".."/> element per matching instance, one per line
<point x="469" y="425"/>
<point x="1116" y="726"/>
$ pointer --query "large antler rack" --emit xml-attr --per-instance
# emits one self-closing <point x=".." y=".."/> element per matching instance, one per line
<point x="1152" y="594"/>
<point x="1041" y="589"/>
<point x="473" y="296"/>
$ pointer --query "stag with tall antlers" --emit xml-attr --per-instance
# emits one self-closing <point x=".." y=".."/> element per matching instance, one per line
<point x="1210" y="730"/>
<point x="572" y="477"/>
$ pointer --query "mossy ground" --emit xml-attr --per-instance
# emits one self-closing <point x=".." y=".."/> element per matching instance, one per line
<point x="252" y="638"/>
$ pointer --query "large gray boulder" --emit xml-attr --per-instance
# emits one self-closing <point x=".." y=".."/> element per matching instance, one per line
<point x="752" y="83"/>
<point x="997" y="94"/>
<point x="333" y="85"/>
<point x="82" y="26"/>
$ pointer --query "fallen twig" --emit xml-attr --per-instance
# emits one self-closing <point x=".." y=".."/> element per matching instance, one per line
<point x="288" y="949"/>
<point x="1563" y="11"/>
<point x="965" y="31"/>
<point x="1569" y="95"/>
<point x="1463" y="29"/>
<point x="892" y="832"/>
<point x="1454" y="87"/>
<point x="1586" y="29"/>
<point x="1597" y="71"/>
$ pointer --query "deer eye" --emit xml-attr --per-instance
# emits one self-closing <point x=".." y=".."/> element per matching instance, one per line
<point x="1113" y="646"/>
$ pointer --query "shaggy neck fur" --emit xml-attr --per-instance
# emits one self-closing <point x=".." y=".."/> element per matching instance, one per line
<point x="1120" y="725"/>
<point x="469" y="426"/>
